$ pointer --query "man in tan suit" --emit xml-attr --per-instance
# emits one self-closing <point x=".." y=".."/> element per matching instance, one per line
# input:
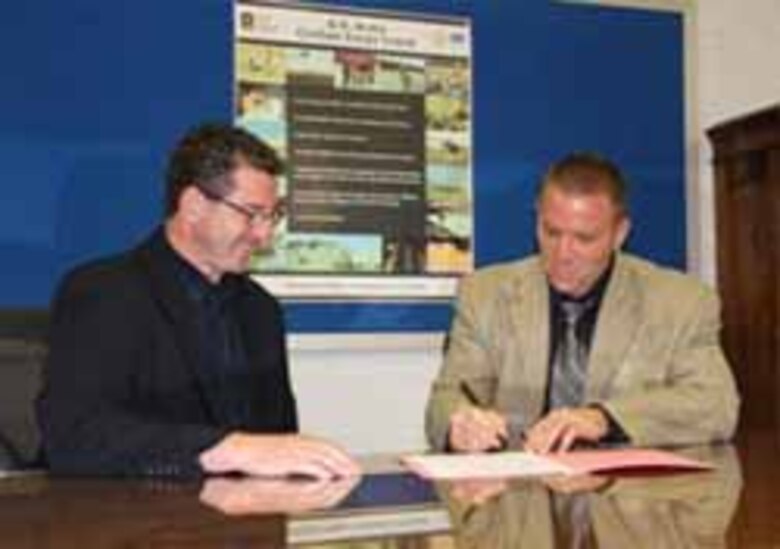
<point x="637" y="361"/>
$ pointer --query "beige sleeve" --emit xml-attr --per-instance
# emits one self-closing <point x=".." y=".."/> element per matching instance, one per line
<point x="698" y="400"/>
<point x="467" y="359"/>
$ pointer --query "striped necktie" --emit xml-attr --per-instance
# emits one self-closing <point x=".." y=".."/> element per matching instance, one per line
<point x="571" y="359"/>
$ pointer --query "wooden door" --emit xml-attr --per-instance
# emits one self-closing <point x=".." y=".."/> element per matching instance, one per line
<point x="747" y="179"/>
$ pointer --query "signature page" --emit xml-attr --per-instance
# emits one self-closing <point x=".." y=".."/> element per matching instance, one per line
<point x="493" y="465"/>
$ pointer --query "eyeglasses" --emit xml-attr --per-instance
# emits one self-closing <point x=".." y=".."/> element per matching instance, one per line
<point x="253" y="216"/>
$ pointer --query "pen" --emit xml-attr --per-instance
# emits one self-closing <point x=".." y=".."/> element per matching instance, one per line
<point x="470" y="395"/>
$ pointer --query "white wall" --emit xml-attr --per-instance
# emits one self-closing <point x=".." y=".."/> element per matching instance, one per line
<point x="738" y="71"/>
<point x="368" y="392"/>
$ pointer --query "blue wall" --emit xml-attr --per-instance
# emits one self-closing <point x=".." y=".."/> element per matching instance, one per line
<point x="95" y="92"/>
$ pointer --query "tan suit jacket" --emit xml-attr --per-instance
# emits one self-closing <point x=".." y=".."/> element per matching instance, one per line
<point x="655" y="361"/>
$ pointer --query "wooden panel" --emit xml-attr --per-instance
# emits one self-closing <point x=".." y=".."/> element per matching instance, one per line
<point x="747" y="172"/>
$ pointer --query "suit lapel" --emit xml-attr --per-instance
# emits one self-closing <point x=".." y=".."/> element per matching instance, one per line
<point x="179" y="313"/>
<point x="616" y="328"/>
<point x="531" y="321"/>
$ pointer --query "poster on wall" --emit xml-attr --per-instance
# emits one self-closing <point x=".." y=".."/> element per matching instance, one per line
<point x="372" y="114"/>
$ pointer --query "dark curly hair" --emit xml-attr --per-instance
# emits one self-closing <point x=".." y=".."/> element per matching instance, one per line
<point x="207" y="155"/>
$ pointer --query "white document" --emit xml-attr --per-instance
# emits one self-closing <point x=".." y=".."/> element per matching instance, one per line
<point x="501" y="464"/>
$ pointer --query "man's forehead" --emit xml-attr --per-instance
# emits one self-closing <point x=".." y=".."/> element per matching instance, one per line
<point x="584" y="212"/>
<point x="247" y="178"/>
<point x="255" y="194"/>
<point x="576" y="200"/>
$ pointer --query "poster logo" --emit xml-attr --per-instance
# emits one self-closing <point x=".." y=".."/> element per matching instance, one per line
<point x="255" y="22"/>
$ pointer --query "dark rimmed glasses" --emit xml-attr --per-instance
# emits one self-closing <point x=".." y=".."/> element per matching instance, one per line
<point x="253" y="216"/>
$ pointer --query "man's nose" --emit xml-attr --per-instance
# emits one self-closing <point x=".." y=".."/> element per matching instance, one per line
<point x="564" y="247"/>
<point x="261" y="233"/>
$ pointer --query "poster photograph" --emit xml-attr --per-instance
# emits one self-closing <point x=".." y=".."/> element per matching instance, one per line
<point x="371" y="112"/>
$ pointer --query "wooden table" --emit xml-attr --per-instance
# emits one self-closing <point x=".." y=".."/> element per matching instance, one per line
<point x="735" y="505"/>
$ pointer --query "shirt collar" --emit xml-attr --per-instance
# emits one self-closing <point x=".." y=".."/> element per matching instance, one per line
<point x="197" y="287"/>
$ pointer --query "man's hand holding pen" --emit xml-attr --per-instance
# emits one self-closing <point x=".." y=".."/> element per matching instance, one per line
<point x="475" y="428"/>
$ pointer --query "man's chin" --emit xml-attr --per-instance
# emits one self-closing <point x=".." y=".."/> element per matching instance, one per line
<point x="242" y="264"/>
<point x="567" y="287"/>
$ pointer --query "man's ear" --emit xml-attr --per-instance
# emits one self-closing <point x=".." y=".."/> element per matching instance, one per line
<point x="623" y="229"/>
<point x="191" y="203"/>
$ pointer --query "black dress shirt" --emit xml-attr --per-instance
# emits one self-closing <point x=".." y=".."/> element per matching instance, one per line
<point x="223" y="358"/>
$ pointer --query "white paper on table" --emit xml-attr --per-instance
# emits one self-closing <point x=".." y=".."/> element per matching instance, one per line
<point x="502" y="464"/>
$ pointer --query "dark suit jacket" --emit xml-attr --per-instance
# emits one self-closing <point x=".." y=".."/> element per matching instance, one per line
<point x="123" y="394"/>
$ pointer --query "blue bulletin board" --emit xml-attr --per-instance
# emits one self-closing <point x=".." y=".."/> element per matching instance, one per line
<point x="94" y="94"/>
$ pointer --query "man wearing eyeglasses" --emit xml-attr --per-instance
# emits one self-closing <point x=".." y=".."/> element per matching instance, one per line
<point x="167" y="360"/>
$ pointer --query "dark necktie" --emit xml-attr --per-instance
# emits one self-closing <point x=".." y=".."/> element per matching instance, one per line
<point x="570" y="365"/>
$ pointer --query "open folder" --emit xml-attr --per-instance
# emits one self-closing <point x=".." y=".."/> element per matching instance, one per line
<point x="522" y="464"/>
